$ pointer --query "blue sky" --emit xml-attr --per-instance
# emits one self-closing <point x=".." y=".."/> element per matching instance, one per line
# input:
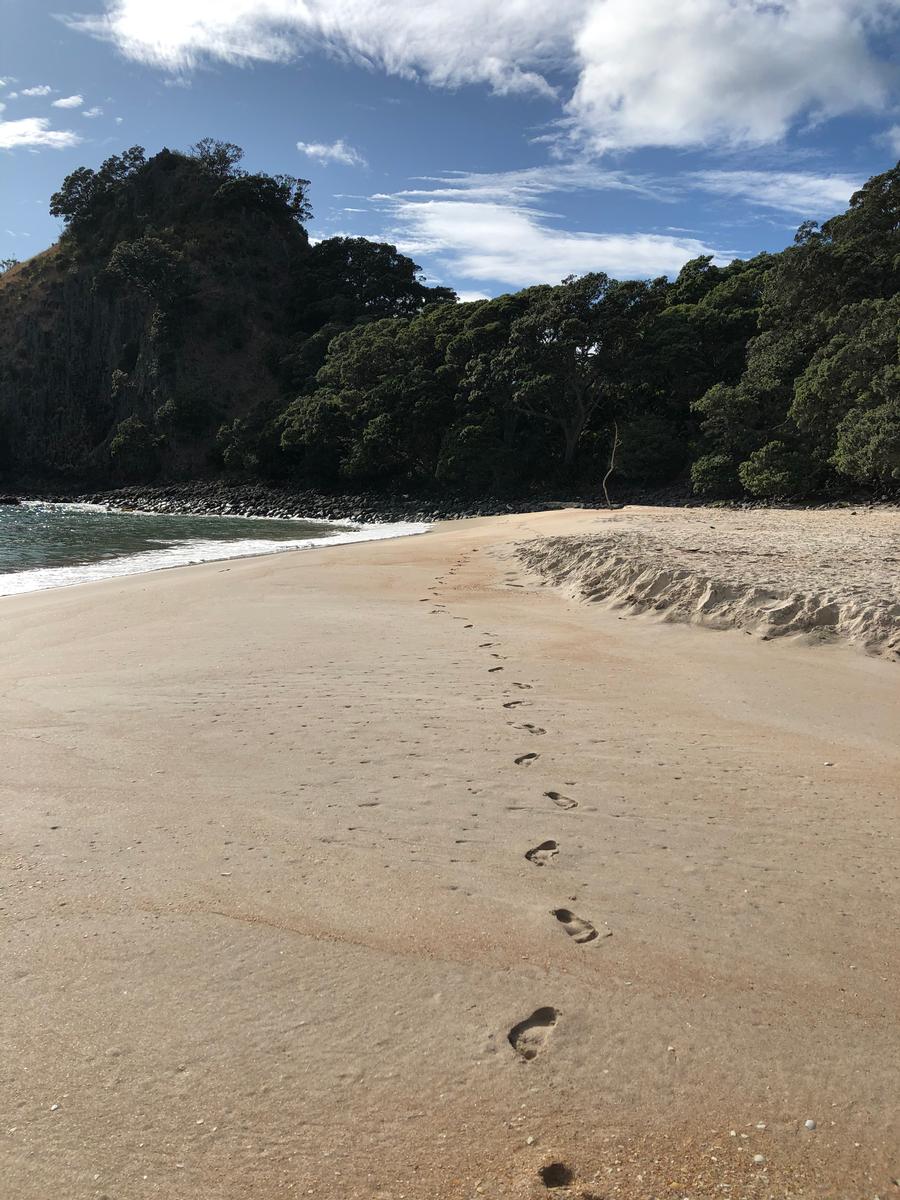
<point x="499" y="142"/>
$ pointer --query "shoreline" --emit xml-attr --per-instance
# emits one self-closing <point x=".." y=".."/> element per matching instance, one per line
<point x="193" y="552"/>
<point x="395" y="872"/>
<point x="222" y="497"/>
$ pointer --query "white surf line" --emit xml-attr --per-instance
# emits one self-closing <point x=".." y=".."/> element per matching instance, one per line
<point x="17" y="583"/>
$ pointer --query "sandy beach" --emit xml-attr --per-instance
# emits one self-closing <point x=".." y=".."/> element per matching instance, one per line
<point x="397" y="870"/>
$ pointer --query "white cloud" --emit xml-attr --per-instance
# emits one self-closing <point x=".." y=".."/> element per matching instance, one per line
<point x="704" y="72"/>
<point x="69" y="102"/>
<point x="488" y="226"/>
<point x="333" y="152"/>
<point x="91" y="113"/>
<point x="33" y="133"/>
<point x="467" y="297"/>
<point x="893" y="138"/>
<point x="487" y="240"/>
<point x="647" y="73"/>
<point x="446" y="42"/>
<point x="43" y="90"/>
<point x="792" y="191"/>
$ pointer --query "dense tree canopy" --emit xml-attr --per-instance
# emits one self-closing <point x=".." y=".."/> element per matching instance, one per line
<point x="816" y="405"/>
<point x="775" y="377"/>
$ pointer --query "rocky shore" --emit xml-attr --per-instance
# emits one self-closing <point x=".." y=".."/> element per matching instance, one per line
<point x="252" y="499"/>
<point x="259" y="500"/>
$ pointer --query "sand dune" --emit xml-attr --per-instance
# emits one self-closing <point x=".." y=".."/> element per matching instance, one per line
<point x="826" y="575"/>
<point x="383" y="872"/>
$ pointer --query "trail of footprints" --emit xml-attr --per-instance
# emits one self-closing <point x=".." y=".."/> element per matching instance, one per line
<point x="529" y="1037"/>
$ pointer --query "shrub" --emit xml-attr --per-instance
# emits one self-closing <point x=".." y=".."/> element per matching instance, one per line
<point x="715" y="475"/>
<point x="776" y="470"/>
<point x="134" y="449"/>
<point x="868" y="445"/>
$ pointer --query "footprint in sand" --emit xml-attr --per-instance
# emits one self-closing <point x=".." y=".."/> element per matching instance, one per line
<point x="491" y="670"/>
<point x="543" y="854"/>
<point x="529" y="728"/>
<point x="576" y="927"/>
<point x="529" y="1037"/>
<point x="524" y="686"/>
<point x="525" y="760"/>
<point x="513" y="703"/>
<point x="560" y="800"/>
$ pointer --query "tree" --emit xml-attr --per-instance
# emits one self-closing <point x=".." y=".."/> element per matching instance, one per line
<point x="352" y="279"/>
<point x="484" y="447"/>
<point x="347" y="281"/>
<point x="384" y="401"/>
<point x="826" y="348"/>
<point x="567" y="353"/>
<point x="272" y="194"/>
<point x="133" y="449"/>
<point x="219" y="158"/>
<point x="85" y="194"/>
<point x="150" y="266"/>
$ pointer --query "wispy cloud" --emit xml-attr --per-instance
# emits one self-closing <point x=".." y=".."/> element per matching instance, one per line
<point x="806" y="194"/>
<point x="68" y="102"/>
<point x="43" y="89"/>
<point x="34" y="133"/>
<point x="334" y="152"/>
<point x="91" y="113"/>
<point x="486" y="240"/>
<point x="683" y="73"/>
<point x="532" y="183"/>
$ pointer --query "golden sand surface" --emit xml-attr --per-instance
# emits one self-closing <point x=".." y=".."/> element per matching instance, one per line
<point x="391" y="871"/>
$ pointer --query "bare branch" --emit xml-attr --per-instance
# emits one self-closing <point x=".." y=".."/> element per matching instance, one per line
<point x="612" y="462"/>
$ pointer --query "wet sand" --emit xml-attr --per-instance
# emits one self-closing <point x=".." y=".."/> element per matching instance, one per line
<point x="387" y="871"/>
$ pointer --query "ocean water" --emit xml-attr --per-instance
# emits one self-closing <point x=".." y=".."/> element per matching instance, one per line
<point x="55" y="545"/>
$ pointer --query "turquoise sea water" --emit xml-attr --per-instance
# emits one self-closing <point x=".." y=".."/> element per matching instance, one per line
<point x="53" y="545"/>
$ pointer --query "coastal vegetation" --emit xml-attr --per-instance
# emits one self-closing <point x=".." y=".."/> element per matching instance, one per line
<point x="185" y="326"/>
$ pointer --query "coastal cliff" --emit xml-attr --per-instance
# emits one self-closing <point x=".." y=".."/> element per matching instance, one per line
<point x="122" y="350"/>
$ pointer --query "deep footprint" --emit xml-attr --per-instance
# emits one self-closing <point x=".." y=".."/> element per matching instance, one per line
<point x="529" y="1036"/>
<point x="576" y="927"/>
<point x="543" y="854"/>
<point x="513" y="703"/>
<point x="532" y="728"/>
<point x="525" y="760"/>
<point x="561" y="801"/>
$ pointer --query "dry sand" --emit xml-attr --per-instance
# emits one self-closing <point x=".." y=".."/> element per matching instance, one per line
<point x="292" y="845"/>
<point x="832" y="575"/>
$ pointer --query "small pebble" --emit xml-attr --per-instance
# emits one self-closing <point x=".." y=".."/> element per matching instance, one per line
<point x="759" y="1159"/>
<point x="810" y="1124"/>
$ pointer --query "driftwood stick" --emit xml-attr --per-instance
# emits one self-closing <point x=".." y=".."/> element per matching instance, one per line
<point x="612" y="462"/>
